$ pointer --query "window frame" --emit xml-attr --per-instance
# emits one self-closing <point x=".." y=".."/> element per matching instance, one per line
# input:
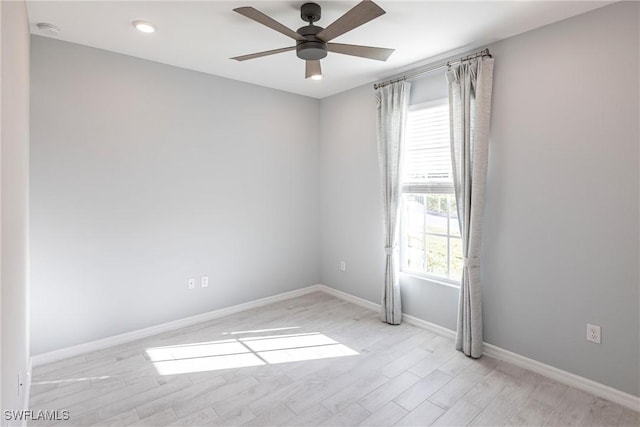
<point x="414" y="188"/>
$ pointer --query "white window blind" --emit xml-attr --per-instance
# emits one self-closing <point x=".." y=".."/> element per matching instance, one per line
<point x="427" y="160"/>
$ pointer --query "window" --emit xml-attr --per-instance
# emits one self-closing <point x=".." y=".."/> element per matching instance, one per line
<point x="430" y="237"/>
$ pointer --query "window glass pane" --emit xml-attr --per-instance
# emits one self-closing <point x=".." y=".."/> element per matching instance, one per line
<point x="456" y="259"/>
<point x="430" y="241"/>
<point x="437" y="211"/>
<point x="415" y="252"/>
<point x="437" y="252"/>
<point x="414" y="213"/>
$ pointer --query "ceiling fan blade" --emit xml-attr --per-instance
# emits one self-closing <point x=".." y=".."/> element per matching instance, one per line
<point x="362" y="13"/>
<point x="377" y="53"/>
<point x="263" y="19"/>
<point x="312" y="68"/>
<point x="261" y="54"/>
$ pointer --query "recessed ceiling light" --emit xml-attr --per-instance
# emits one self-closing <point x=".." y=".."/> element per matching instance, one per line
<point x="50" y="29"/>
<point x="144" y="26"/>
<point x="316" y="77"/>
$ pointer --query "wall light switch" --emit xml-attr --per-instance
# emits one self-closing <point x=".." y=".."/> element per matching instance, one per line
<point x="191" y="284"/>
<point x="343" y="266"/>
<point x="204" y="281"/>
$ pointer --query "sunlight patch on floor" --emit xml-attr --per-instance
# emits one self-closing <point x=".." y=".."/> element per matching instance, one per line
<point x="71" y="380"/>
<point x="245" y="352"/>
<point x="286" y="341"/>
<point x="257" y="331"/>
<point x="306" y="353"/>
<point x="203" y="364"/>
<point x="191" y="351"/>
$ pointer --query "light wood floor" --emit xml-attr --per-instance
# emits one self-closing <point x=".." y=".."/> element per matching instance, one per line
<point x="401" y="375"/>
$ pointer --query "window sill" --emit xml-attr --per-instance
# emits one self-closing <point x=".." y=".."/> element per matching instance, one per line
<point x="431" y="279"/>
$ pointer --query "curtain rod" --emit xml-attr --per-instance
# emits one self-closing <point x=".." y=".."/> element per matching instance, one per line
<point x="484" y="52"/>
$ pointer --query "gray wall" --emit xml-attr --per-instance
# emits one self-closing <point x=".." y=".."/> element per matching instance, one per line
<point x="144" y="175"/>
<point x="561" y="233"/>
<point x="14" y="204"/>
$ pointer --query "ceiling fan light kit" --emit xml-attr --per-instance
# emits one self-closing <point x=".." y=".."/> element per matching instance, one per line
<point x="312" y="41"/>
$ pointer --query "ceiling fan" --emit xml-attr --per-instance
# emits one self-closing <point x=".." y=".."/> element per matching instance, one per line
<point x="313" y="42"/>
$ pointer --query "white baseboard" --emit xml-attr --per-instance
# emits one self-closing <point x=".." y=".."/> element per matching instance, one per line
<point x="440" y="330"/>
<point x="80" y="349"/>
<point x="412" y="320"/>
<point x="349" y="298"/>
<point x="572" y="380"/>
<point x="564" y="377"/>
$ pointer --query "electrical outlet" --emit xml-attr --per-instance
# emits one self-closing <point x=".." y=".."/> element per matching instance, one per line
<point x="593" y="333"/>
<point x="343" y="266"/>
<point x="191" y="284"/>
<point x="204" y="281"/>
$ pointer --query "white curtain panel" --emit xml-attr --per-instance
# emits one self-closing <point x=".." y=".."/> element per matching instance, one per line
<point x="470" y="85"/>
<point x="393" y="104"/>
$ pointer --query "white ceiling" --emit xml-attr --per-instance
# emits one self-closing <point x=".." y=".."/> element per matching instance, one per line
<point x="202" y="35"/>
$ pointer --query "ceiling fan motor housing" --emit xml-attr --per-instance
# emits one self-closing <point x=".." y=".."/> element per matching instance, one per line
<point x="312" y="48"/>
